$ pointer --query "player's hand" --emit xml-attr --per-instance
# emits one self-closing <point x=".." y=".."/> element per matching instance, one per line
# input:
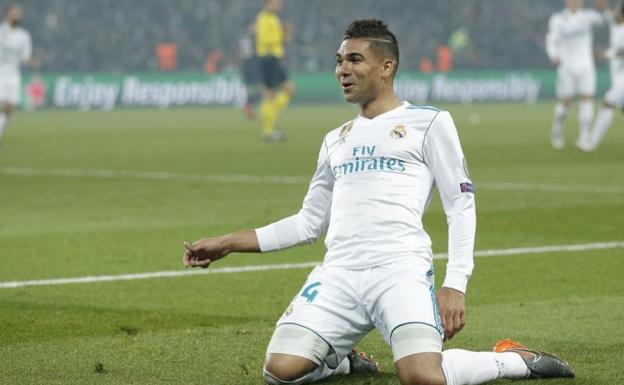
<point x="555" y="62"/>
<point x="452" y="306"/>
<point x="203" y="252"/>
<point x="601" y="54"/>
<point x="34" y="64"/>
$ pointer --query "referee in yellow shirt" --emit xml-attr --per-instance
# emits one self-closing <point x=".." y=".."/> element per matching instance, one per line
<point x="277" y="90"/>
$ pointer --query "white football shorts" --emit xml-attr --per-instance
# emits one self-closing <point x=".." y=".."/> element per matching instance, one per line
<point x="10" y="89"/>
<point x="342" y="305"/>
<point x="615" y="94"/>
<point x="575" y="81"/>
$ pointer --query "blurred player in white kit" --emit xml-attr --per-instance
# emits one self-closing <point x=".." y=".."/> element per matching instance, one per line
<point x="614" y="98"/>
<point x="569" y="43"/>
<point x="15" y="50"/>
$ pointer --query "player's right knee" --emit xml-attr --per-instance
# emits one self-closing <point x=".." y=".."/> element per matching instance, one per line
<point x="282" y="369"/>
<point x="292" y="354"/>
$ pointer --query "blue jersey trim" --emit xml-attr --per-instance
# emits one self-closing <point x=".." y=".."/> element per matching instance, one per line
<point x="415" y="322"/>
<point x="412" y="107"/>
<point x="426" y="132"/>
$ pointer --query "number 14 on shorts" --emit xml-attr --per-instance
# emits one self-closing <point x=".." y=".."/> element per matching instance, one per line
<point x="309" y="292"/>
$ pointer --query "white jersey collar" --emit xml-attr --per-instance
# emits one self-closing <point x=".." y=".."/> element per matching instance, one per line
<point x="403" y="105"/>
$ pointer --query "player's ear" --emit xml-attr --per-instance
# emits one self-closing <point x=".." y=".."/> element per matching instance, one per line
<point x="388" y="67"/>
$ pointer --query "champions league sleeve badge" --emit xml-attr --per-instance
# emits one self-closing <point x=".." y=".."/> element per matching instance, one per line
<point x="466" y="187"/>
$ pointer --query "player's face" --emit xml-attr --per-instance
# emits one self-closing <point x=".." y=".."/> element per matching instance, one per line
<point x="574" y="5"/>
<point x="14" y="15"/>
<point x="358" y="70"/>
<point x="275" y="5"/>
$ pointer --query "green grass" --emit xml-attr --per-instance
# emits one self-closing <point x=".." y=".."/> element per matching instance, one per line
<point x="213" y="329"/>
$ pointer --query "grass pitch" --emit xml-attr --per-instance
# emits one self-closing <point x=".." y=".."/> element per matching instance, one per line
<point x="213" y="329"/>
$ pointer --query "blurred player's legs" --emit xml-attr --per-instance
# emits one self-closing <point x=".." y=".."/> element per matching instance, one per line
<point x="253" y="78"/>
<point x="561" y="112"/>
<point x="9" y="97"/>
<point x="586" y="85"/>
<point x="565" y="92"/>
<point x="4" y="119"/>
<point x="614" y="98"/>
<point x="601" y="126"/>
<point x="586" y="115"/>
<point x="571" y="82"/>
<point x="277" y="93"/>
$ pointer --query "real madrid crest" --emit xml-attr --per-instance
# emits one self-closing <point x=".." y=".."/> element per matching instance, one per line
<point x="345" y="129"/>
<point x="398" y="132"/>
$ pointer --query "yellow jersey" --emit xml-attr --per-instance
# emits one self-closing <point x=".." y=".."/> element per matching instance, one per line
<point x="269" y="35"/>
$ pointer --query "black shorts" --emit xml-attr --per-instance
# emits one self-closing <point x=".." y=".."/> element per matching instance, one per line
<point x="273" y="71"/>
<point x="252" y="73"/>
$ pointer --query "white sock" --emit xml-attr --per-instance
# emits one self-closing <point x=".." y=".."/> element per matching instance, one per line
<point x="602" y="124"/>
<point x="3" y="122"/>
<point x="561" y="112"/>
<point x="344" y="367"/>
<point x="463" y="367"/>
<point x="585" y="116"/>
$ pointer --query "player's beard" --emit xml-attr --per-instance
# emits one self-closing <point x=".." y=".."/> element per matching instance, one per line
<point x="15" y="23"/>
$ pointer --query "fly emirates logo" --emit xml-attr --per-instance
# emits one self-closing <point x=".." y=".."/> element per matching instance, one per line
<point x="364" y="160"/>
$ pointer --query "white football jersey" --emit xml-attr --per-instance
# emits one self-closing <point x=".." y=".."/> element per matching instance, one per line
<point x="373" y="182"/>
<point x="570" y="37"/>
<point x="616" y="49"/>
<point x="15" y="48"/>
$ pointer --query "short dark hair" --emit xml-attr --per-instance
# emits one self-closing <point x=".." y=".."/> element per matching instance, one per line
<point x="376" y="31"/>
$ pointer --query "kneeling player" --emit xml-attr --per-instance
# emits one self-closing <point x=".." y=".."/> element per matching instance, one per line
<point x="374" y="179"/>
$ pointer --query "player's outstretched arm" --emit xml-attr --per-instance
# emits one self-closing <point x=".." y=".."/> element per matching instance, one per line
<point x="205" y="251"/>
<point x="304" y="227"/>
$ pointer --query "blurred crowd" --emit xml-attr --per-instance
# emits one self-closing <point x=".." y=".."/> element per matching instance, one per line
<point x="120" y="35"/>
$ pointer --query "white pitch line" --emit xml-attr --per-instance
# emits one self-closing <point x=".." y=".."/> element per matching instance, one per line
<point x="546" y="187"/>
<point x="289" y="266"/>
<point x="277" y="179"/>
<point x="153" y="175"/>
